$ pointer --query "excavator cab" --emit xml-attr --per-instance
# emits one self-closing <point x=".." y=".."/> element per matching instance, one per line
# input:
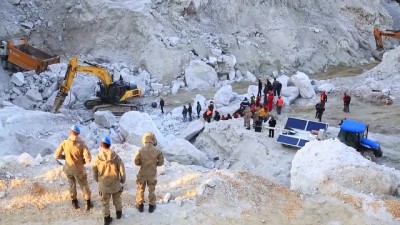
<point x="116" y="91"/>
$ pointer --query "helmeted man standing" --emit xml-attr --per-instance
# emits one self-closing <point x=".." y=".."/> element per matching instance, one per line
<point x="76" y="155"/>
<point x="109" y="171"/>
<point x="279" y="105"/>
<point x="148" y="158"/>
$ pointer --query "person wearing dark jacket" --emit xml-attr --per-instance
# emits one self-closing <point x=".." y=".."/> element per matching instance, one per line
<point x="245" y="102"/>
<point x="190" y="112"/>
<point x="217" y="117"/>
<point x="320" y="108"/>
<point x="198" y="109"/>
<point x="259" y="87"/>
<point x="269" y="86"/>
<point x="271" y="123"/>
<point x="162" y="105"/>
<point x="265" y="91"/>
<point x="275" y="87"/>
<point x="228" y="117"/>
<point x="279" y="88"/>
<point x="184" y="113"/>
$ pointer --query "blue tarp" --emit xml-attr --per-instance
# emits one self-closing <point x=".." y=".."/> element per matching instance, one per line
<point x="353" y="126"/>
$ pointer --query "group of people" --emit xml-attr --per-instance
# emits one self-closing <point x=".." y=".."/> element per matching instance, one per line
<point x="320" y="106"/>
<point x="109" y="171"/>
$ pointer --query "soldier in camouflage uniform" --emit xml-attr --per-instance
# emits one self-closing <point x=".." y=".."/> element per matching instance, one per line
<point x="76" y="155"/>
<point x="147" y="158"/>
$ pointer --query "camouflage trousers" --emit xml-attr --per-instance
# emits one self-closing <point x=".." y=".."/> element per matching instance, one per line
<point x="105" y="202"/>
<point x="83" y="183"/>
<point x="141" y="186"/>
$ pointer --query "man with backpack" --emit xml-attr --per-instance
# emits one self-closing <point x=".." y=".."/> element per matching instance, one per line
<point x="346" y="102"/>
<point x="323" y="98"/>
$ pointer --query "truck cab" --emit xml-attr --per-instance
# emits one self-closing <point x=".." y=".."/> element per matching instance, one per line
<point x="355" y="134"/>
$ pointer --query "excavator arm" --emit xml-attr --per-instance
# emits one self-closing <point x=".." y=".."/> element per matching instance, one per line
<point x="379" y="34"/>
<point x="74" y="68"/>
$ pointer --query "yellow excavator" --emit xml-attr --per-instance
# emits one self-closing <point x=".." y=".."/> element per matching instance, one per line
<point x="378" y="35"/>
<point x="112" y="96"/>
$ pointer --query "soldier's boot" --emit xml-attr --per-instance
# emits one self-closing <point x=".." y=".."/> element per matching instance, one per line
<point x="140" y="207"/>
<point x="75" y="204"/>
<point x="119" y="214"/>
<point x="107" y="220"/>
<point x="88" y="205"/>
<point x="152" y="208"/>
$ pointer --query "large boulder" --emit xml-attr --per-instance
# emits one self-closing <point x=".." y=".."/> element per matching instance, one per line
<point x="250" y="77"/>
<point x="193" y="129"/>
<point x="199" y="75"/>
<point x="226" y="63"/>
<point x="290" y="93"/>
<point x="182" y="151"/>
<point x="303" y="83"/>
<point x="104" y="118"/>
<point x="327" y="87"/>
<point x="48" y="91"/>
<point x="134" y="124"/>
<point x="18" y="79"/>
<point x="24" y="102"/>
<point x="84" y="87"/>
<point x="34" y="95"/>
<point x="330" y="166"/>
<point x="223" y="95"/>
<point x="284" y="80"/>
<point x="252" y="90"/>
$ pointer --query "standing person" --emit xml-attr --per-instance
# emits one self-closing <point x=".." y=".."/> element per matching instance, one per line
<point x="247" y="116"/>
<point x="259" y="87"/>
<point x="279" y="105"/>
<point x="271" y="123"/>
<point x="109" y="172"/>
<point x="190" y="112"/>
<point x="162" y="105"/>
<point x="275" y="87"/>
<point x="320" y="108"/>
<point x="252" y="100"/>
<point x="217" y="116"/>
<point x="269" y="85"/>
<point x="184" y="113"/>
<point x="279" y="88"/>
<point x="323" y="97"/>
<point x="198" y="109"/>
<point x="211" y="106"/>
<point x="258" y="101"/>
<point x="147" y="158"/>
<point x="265" y="90"/>
<point x="76" y="155"/>
<point x="346" y="102"/>
<point x="270" y="101"/>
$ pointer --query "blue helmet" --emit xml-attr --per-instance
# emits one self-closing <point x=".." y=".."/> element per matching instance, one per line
<point x="76" y="129"/>
<point x="106" y="140"/>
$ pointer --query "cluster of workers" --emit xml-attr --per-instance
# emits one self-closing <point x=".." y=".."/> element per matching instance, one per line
<point x="109" y="171"/>
<point x="320" y="106"/>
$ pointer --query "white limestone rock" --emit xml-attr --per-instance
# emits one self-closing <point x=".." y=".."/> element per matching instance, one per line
<point x="199" y="75"/>
<point x="327" y="87"/>
<point x="104" y="118"/>
<point x="303" y="83"/>
<point x="18" y="79"/>
<point x="193" y="129"/>
<point x="223" y="95"/>
<point x="34" y="95"/>
<point x="134" y="124"/>
<point x="26" y="160"/>
<point x="182" y="151"/>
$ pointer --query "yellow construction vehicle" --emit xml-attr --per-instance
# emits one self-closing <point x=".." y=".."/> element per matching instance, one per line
<point x="112" y="96"/>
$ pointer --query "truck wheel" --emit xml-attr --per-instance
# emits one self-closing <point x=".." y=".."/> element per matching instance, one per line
<point x="4" y="64"/>
<point x="378" y="153"/>
<point x="369" y="155"/>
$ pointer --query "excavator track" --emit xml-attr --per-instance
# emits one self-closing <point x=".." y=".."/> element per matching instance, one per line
<point x="117" y="109"/>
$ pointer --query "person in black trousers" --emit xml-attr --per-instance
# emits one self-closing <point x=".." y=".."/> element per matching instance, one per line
<point x="198" y="109"/>
<point x="162" y="105"/>
<point x="190" y="112"/>
<point x="271" y="123"/>
<point x="259" y="87"/>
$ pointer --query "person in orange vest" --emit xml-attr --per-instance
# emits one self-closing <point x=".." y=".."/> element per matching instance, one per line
<point x="270" y="101"/>
<point x="323" y="98"/>
<point x="279" y="104"/>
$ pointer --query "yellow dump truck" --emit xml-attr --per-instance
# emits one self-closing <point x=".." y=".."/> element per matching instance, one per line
<point x="18" y="54"/>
